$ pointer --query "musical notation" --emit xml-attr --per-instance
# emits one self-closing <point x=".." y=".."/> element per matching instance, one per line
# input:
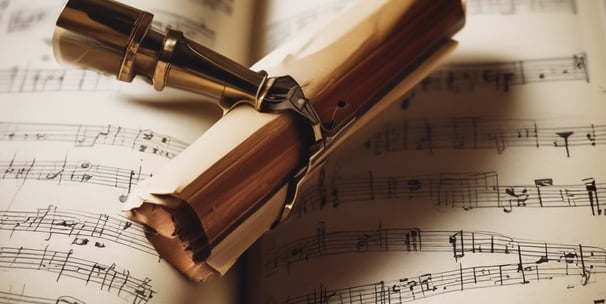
<point x="141" y="140"/>
<point x="17" y="17"/>
<point x="11" y="297"/>
<point x="28" y="80"/>
<point x="412" y="288"/>
<point x="453" y="190"/>
<point x="508" y="7"/>
<point x="110" y="278"/>
<point x="281" y="30"/>
<point x="81" y="228"/>
<point x="467" y="77"/>
<point x="191" y="28"/>
<point x="458" y="243"/>
<point x="24" y="19"/>
<point x="62" y="171"/>
<point x="478" y="133"/>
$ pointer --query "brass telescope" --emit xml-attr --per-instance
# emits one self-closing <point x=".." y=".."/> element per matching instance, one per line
<point x="204" y="224"/>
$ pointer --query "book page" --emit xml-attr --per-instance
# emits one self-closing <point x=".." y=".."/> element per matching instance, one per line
<point x="74" y="145"/>
<point x="482" y="184"/>
<point x="276" y="22"/>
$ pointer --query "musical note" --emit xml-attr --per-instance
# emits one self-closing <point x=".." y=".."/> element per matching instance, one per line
<point x="413" y="240"/>
<point x="591" y="136"/>
<point x="564" y="135"/>
<point x="592" y="194"/>
<point x="519" y="196"/>
<point x="458" y="244"/>
<point x="539" y="183"/>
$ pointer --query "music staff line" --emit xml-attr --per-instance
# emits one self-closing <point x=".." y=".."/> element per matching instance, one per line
<point x="510" y="7"/>
<point x="459" y="243"/>
<point x="30" y="80"/>
<point x="283" y="29"/>
<point x="87" y="135"/>
<point x="467" y="77"/>
<point x="82" y="171"/>
<point x="23" y="19"/>
<point x="11" y="297"/>
<point x="81" y="228"/>
<point x="467" y="191"/>
<point x="192" y="29"/>
<point x="482" y="133"/>
<point x="110" y="278"/>
<point x="430" y="284"/>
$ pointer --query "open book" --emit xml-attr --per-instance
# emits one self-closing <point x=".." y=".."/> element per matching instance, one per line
<point x="484" y="183"/>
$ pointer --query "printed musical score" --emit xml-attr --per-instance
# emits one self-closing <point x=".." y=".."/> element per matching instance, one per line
<point x="64" y="171"/>
<point x="286" y="27"/>
<point x="468" y="77"/>
<point x="199" y="30"/>
<point x="109" y="278"/>
<point x="422" y="286"/>
<point x="141" y="140"/>
<point x="19" y="79"/>
<point x="508" y="7"/>
<point x="479" y="133"/>
<point x="459" y="243"/>
<point x="80" y="228"/>
<point x="16" y="18"/>
<point x="22" y="19"/>
<point x="467" y="191"/>
<point x="11" y="297"/>
<point x="532" y="55"/>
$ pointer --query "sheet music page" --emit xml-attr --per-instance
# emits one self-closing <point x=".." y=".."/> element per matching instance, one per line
<point x="483" y="184"/>
<point x="74" y="144"/>
<point x="278" y="21"/>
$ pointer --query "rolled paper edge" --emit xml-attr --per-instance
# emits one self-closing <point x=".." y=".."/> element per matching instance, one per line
<point x="223" y="255"/>
<point x="172" y="250"/>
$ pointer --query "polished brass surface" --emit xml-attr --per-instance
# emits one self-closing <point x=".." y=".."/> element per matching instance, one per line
<point x="117" y="39"/>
